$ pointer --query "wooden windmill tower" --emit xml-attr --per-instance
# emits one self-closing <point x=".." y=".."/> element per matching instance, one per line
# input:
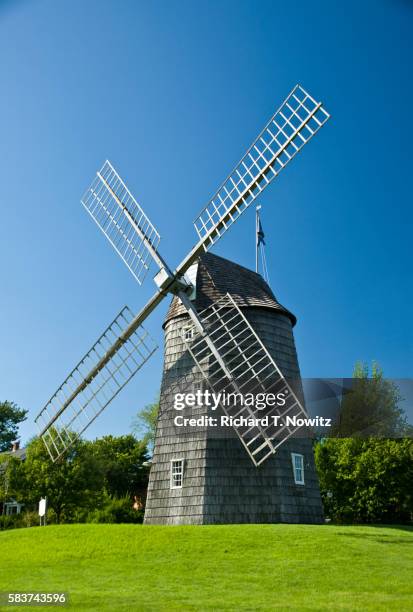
<point x="203" y="475"/>
<point x="224" y="332"/>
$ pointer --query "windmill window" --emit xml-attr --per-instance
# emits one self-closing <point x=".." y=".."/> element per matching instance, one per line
<point x="298" y="468"/>
<point x="188" y="333"/>
<point x="177" y="473"/>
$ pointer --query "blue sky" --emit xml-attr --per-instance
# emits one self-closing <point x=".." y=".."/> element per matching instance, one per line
<point x="173" y="93"/>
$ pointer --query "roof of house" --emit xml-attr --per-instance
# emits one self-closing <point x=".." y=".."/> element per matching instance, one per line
<point x="217" y="276"/>
<point x="20" y="453"/>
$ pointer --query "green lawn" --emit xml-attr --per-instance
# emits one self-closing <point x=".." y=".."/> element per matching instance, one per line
<point x="234" y="567"/>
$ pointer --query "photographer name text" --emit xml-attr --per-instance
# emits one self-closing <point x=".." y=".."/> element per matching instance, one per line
<point x="266" y="421"/>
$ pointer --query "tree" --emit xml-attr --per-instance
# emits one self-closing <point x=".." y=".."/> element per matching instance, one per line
<point x="73" y="482"/>
<point x="11" y="476"/>
<point x="364" y="475"/>
<point x="123" y="462"/>
<point x="366" y="480"/>
<point x="145" y="423"/>
<point x="371" y="407"/>
<point x="10" y="417"/>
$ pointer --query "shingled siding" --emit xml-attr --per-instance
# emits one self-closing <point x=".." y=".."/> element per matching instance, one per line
<point x="221" y="484"/>
<point x="238" y="492"/>
<point x="164" y="505"/>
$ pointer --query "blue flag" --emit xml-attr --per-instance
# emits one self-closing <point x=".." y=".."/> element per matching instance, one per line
<point x="260" y="234"/>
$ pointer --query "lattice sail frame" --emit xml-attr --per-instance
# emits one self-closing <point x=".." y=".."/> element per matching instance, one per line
<point x="118" y="215"/>
<point x="293" y="125"/>
<point x="116" y="212"/>
<point x="65" y="418"/>
<point x="252" y="369"/>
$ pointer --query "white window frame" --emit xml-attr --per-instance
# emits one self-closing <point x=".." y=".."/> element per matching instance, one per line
<point x="294" y="456"/>
<point x="173" y="484"/>
<point x="188" y="333"/>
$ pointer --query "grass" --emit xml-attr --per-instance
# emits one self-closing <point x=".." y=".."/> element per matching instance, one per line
<point x="234" y="567"/>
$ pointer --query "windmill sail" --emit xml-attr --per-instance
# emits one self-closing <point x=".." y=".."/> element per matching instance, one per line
<point x="94" y="382"/>
<point x="252" y="370"/>
<point x="116" y="212"/>
<point x="125" y="346"/>
<point x="296" y="121"/>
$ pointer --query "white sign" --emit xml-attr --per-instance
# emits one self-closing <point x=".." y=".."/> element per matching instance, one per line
<point x="42" y="507"/>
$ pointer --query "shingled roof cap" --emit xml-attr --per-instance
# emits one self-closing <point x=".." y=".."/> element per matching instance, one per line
<point x="217" y="276"/>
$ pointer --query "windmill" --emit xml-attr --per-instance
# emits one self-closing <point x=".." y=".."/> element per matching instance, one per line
<point x="226" y="353"/>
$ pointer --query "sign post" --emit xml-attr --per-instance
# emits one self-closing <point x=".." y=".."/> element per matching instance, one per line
<point x="43" y="511"/>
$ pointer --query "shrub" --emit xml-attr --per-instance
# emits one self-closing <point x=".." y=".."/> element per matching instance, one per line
<point x="10" y="521"/>
<point x="116" y="510"/>
<point x="30" y="519"/>
<point x="366" y="481"/>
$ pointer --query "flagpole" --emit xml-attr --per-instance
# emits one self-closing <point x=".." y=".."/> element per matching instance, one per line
<point x="259" y="242"/>
<point x="257" y="225"/>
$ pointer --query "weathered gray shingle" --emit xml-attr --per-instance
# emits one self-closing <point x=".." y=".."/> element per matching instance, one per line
<point x="220" y="482"/>
<point x="217" y="276"/>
